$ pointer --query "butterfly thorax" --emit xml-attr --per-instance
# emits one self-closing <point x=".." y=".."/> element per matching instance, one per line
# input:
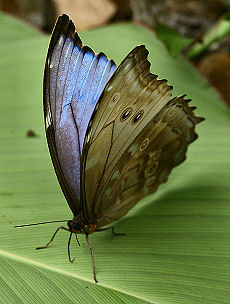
<point x="80" y="225"/>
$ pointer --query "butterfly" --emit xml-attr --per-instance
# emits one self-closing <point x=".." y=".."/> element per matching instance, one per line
<point x="114" y="133"/>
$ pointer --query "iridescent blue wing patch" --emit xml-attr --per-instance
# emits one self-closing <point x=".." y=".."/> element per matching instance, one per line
<point x="74" y="79"/>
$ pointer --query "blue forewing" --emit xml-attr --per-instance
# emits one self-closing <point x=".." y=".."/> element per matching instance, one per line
<point x="73" y="81"/>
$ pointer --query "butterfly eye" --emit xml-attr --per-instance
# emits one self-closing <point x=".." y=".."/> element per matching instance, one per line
<point x="126" y="113"/>
<point x="115" y="97"/>
<point x="137" y="117"/>
<point x="152" y="169"/>
<point x="144" y="144"/>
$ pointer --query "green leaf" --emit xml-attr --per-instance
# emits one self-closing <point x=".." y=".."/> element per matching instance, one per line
<point x="177" y="247"/>
<point x="172" y="40"/>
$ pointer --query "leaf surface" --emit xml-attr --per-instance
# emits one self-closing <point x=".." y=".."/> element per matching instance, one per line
<point x="177" y="247"/>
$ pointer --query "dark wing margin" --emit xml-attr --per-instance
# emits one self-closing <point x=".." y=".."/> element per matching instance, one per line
<point x="64" y="28"/>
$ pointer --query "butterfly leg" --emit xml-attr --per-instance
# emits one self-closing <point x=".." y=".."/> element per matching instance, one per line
<point x="114" y="233"/>
<point x="112" y="230"/>
<point x="52" y="238"/>
<point x="71" y="260"/>
<point x="92" y="257"/>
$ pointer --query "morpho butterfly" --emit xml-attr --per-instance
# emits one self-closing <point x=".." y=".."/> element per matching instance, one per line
<point x="114" y="133"/>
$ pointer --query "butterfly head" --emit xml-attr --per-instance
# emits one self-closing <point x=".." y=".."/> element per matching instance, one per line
<point x="74" y="226"/>
<point x="78" y="225"/>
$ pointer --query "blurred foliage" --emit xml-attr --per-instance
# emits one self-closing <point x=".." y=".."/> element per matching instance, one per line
<point x="173" y="41"/>
<point x="219" y="30"/>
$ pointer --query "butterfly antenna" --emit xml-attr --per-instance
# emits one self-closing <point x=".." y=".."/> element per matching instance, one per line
<point x="34" y="224"/>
